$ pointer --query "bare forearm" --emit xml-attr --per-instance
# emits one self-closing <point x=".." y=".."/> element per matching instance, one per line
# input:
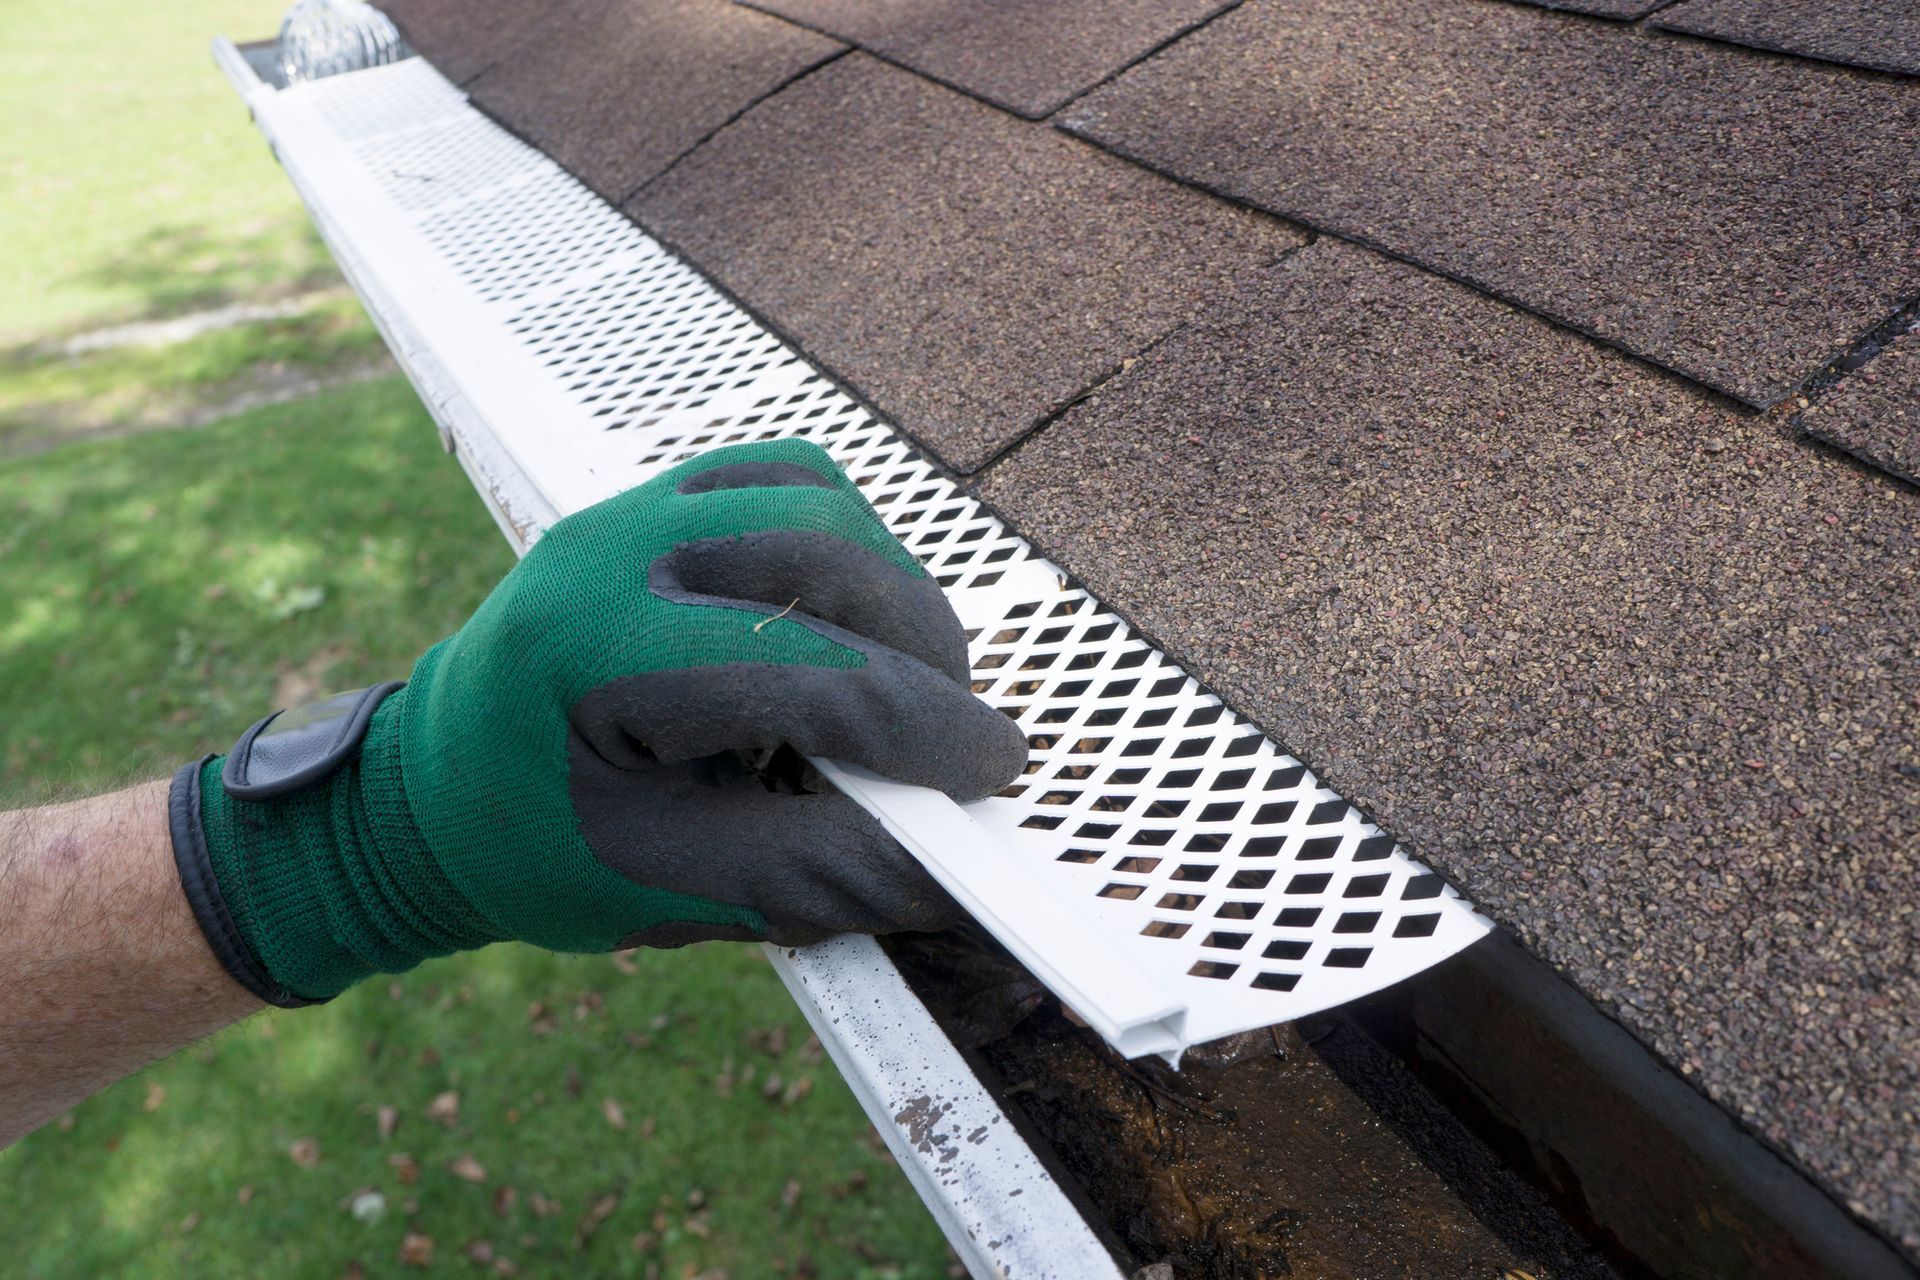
<point x="102" y="968"/>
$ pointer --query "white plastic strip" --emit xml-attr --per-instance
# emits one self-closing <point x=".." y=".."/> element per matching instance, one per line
<point x="1181" y="847"/>
<point x="1120" y="1000"/>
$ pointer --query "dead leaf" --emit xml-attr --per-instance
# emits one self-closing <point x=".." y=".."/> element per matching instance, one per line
<point x="771" y="1089"/>
<point x="503" y="1199"/>
<point x="573" y="1081"/>
<point x="771" y="1041"/>
<point x="405" y="1167"/>
<point x="790" y="1194"/>
<point x="480" y="1251"/>
<point x="598" y="1212"/>
<point x="189" y="1222"/>
<point x="353" y="1271"/>
<point x="245" y="1194"/>
<point x="304" y="1152"/>
<point x="812" y="1052"/>
<point x="541" y="1206"/>
<point x="416" y="1250"/>
<point x="797" y="1090"/>
<point x="466" y="1168"/>
<point x="505" y="1267"/>
<point x="623" y="961"/>
<point x="647" y="1128"/>
<point x="65" y="1123"/>
<point x="645" y="1242"/>
<point x="697" y="1225"/>
<point x="445" y="1108"/>
<point x="386" y="1120"/>
<point x="616" y="1114"/>
<point x="156" y="1094"/>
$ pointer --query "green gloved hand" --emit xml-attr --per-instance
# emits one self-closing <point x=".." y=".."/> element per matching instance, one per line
<point x="575" y="767"/>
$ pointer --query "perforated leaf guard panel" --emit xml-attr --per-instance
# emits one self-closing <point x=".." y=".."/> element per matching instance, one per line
<point x="1173" y="872"/>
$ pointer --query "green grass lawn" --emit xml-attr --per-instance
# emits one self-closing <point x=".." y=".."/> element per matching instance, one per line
<point x="661" y="1114"/>
<point x="134" y="184"/>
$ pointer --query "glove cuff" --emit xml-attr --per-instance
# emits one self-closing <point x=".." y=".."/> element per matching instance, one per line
<point x="304" y="894"/>
<point x="209" y="905"/>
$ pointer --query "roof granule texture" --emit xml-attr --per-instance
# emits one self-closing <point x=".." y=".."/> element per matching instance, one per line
<point x="462" y="38"/>
<point x="616" y="90"/>
<point x="1875" y="413"/>
<point x="1626" y="10"/>
<point x="1029" y="56"/>
<point x="966" y="272"/>
<point x="1639" y="674"/>
<point x="1736" y="216"/>
<point x="1867" y="33"/>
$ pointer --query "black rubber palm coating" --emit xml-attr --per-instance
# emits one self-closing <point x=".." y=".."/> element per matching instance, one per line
<point x="655" y="760"/>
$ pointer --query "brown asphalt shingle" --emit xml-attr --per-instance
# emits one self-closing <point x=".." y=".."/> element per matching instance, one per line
<point x="616" y="90"/>
<point x="462" y="38"/>
<point x="1622" y="9"/>
<point x="1637" y="672"/>
<point x="1733" y="215"/>
<point x="1875" y="413"/>
<point x="1029" y="56"/>
<point x="1882" y="34"/>
<point x="965" y="271"/>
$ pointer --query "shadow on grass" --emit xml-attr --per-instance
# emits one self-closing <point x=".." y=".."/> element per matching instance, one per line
<point x="180" y="268"/>
<point x="158" y="587"/>
<point x="48" y="399"/>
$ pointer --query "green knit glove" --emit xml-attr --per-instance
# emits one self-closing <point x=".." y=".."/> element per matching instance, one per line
<point x="595" y="759"/>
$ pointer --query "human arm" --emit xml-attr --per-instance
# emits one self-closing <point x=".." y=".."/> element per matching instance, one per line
<point x="584" y="765"/>
<point x="102" y="968"/>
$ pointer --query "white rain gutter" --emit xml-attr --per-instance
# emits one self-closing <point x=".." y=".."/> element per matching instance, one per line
<point x="1168" y="871"/>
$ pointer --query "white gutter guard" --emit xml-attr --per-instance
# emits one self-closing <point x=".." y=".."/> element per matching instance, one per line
<point x="1169" y="872"/>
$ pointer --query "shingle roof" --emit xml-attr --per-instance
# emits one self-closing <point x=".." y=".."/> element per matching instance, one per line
<point x="1623" y="9"/>
<point x="901" y="232"/>
<point x="1736" y="217"/>
<point x="461" y="38"/>
<point x="616" y="90"/>
<point x="1029" y="56"/>
<point x="1876" y="415"/>
<point x="1636" y="666"/>
<point x="1865" y="33"/>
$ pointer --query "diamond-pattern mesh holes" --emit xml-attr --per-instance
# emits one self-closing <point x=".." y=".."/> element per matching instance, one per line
<point x="1214" y="858"/>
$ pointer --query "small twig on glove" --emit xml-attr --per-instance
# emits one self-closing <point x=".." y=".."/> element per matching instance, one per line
<point x="776" y="617"/>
